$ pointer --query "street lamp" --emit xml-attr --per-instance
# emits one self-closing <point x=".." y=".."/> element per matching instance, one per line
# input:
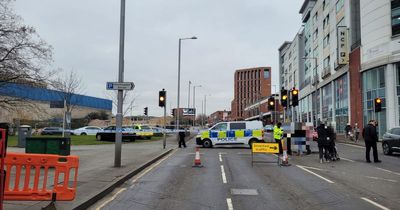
<point x="194" y="102"/>
<point x="179" y="78"/>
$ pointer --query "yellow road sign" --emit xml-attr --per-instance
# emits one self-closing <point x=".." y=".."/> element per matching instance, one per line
<point x="265" y="148"/>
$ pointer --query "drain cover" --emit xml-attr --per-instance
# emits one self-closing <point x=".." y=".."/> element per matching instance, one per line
<point x="244" y="192"/>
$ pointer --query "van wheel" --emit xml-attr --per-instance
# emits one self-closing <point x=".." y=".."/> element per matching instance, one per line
<point x="251" y="141"/>
<point x="207" y="143"/>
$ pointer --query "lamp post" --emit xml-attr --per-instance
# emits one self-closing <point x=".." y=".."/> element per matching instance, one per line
<point x="314" y="83"/>
<point x="189" y="94"/>
<point x="179" y="79"/>
<point x="194" y="102"/>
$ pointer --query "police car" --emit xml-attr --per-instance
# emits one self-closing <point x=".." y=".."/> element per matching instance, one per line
<point x="232" y="133"/>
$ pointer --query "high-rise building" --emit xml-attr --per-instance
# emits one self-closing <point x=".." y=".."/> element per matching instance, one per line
<point x="250" y="86"/>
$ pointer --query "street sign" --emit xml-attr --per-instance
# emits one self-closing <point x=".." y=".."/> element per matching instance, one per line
<point x="265" y="148"/>
<point x="120" y="86"/>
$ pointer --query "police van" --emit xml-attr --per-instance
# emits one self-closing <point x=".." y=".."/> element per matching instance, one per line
<point x="232" y="133"/>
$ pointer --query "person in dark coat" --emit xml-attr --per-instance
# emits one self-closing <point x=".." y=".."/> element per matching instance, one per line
<point x="323" y="142"/>
<point x="371" y="137"/>
<point x="182" y="139"/>
<point x="347" y="129"/>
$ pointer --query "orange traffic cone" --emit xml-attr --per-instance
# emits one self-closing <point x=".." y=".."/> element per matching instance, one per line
<point x="197" y="161"/>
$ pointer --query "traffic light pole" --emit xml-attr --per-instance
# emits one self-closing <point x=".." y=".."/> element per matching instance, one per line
<point x="165" y="127"/>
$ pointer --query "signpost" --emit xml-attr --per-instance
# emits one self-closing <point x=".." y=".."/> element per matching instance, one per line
<point x="120" y="86"/>
<point x="272" y="148"/>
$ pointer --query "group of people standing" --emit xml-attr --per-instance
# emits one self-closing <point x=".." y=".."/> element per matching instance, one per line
<point x="352" y="133"/>
<point x="326" y="143"/>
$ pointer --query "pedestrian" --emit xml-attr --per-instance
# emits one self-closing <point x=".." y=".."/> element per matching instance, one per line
<point x="323" y="143"/>
<point x="371" y="137"/>
<point x="182" y="139"/>
<point x="347" y="129"/>
<point x="356" y="132"/>
<point x="278" y="133"/>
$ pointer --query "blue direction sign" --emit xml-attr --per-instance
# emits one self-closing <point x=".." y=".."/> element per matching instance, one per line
<point x="120" y="85"/>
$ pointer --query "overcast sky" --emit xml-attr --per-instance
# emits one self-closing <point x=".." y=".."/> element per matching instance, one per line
<point x="232" y="34"/>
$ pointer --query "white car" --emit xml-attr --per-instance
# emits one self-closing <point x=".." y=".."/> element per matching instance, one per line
<point x="87" y="130"/>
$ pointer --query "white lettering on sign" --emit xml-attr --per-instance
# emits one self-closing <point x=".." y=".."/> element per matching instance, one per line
<point x="342" y="48"/>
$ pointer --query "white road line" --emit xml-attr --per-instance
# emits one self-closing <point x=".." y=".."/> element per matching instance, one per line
<point x="352" y="145"/>
<point x="375" y="203"/>
<point x="318" y="169"/>
<point x="319" y="176"/>
<point x="378" y="178"/>
<point x="220" y="157"/>
<point x="111" y="199"/>
<point x="151" y="168"/>
<point x="342" y="158"/>
<point x="223" y="174"/>
<point x="229" y="203"/>
<point x="388" y="171"/>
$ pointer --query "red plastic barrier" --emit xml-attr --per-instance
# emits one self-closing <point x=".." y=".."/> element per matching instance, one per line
<point x="29" y="177"/>
<point x="2" y="155"/>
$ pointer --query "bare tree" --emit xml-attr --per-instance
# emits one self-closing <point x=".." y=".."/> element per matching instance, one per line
<point x="23" y="54"/>
<point x="68" y="86"/>
<point x="128" y="101"/>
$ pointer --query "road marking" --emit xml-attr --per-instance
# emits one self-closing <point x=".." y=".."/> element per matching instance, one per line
<point x="223" y="174"/>
<point x="220" y="157"/>
<point x="151" y="168"/>
<point x="378" y="178"/>
<point x="342" y="158"/>
<point x="111" y="199"/>
<point x="319" y="176"/>
<point x="375" y="203"/>
<point x="388" y="171"/>
<point x="229" y="203"/>
<point x="318" y="169"/>
<point x="352" y="145"/>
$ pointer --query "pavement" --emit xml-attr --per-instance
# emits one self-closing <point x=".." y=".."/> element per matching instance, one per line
<point x="96" y="174"/>
<point x="228" y="181"/>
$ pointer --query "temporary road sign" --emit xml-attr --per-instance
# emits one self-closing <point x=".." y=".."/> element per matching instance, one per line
<point x="265" y="148"/>
<point x="120" y="86"/>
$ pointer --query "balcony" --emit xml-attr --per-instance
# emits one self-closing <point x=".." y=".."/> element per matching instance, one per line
<point x="326" y="72"/>
<point x="315" y="80"/>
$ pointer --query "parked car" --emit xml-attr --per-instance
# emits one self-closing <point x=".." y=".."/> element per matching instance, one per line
<point x="51" y="131"/>
<point x="108" y="133"/>
<point x="391" y="141"/>
<point x="87" y="130"/>
<point x="143" y="131"/>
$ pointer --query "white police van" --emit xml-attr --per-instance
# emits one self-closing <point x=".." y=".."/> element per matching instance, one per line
<point x="232" y="133"/>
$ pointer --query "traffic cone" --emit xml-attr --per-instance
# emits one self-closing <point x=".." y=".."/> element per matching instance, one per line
<point x="197" y="161"/>
<point x="285" y="158"/>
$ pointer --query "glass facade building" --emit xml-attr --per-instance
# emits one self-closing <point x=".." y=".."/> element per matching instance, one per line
<point x="341" y="103"/>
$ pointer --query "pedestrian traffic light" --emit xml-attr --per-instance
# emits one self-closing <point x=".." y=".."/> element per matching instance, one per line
<point x="161" y="98"/>
<point x="173" y="112"/>
<point x="378" y="104"/>
<point x="284" y="97"/>
<point x="295" y="97"/>
<point x="271" y="104"/>
<point x="145" y="111"/>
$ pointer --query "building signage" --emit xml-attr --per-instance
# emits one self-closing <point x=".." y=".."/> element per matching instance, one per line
<point x="342" y="52"/>
<point x="188" y="111"/>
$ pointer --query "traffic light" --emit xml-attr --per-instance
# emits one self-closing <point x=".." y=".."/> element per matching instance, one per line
<point x="161" y="98"/>
<point x="145" y="111"/>
<point x="271" y="104"/>
<point x="378" y="104"/>
<point x="284" y="98"/>
<point x="173" y="112"/>
<point x="295" y="97"/>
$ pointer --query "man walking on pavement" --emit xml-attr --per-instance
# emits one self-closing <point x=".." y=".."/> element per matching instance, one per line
<point x="278" y="132"/>
<point x="371" y="137"/>
<point x="182" y="139"/>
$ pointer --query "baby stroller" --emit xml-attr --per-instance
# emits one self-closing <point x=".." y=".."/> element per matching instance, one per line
<point x="332" y="149"/>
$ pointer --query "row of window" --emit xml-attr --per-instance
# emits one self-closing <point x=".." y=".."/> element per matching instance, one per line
<point x="252" y="74"/>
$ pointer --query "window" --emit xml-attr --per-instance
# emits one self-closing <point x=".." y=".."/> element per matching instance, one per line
<point x="324" y="4"/>
<point x="341" y="22"/>
<point x="266" y="73"/>
<point x="339" y="5"/>
<point x="315" y="35"/>
<point x="326" y="40"/>
<point x="326" y="22"/>
<point x="327" y="61"/>
<point x="238" y="126"/>
<point x="315" y="18"/>
<point x="395" y="17"/>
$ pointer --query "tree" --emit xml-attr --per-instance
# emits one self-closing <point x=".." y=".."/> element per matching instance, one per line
<point x="68" y="87"/>
<point x="128" y="101"/>
<point x="23" y="55"/>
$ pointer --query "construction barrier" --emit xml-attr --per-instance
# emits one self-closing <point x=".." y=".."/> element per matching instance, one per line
<point x="3" y="133"/>
<point x="272" y="148"/>
<point x="40" y="177"/>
